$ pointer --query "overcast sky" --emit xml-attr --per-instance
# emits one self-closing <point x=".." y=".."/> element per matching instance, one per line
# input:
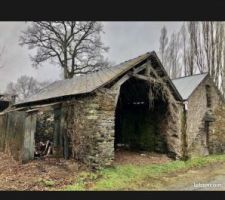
<point x="125" y="39"/>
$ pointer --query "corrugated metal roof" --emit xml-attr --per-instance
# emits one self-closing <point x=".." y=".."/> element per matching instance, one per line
<point x="85" y="83"/>
<point x="186" y="85"/>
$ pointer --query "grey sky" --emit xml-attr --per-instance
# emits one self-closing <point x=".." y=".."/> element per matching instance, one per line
<point x="125" y="39"/>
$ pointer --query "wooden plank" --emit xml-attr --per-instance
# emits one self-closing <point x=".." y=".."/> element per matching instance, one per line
<point x="3" y="125"/>
<point x="63" y="134"/>
<point x="29" y="141"/>
<point x="12" y="110"/>
<point x="148" y="68"/>
<point x="142" y="77"/>
<point x="35" y="108"/>
<point x="60" y="138"/>
<point x="15" y="134"/>
<point x="56" y="140"/>
<point x="139" y="69"/>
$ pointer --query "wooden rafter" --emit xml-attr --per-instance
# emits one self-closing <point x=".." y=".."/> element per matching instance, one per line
<point x="142" y="77"/>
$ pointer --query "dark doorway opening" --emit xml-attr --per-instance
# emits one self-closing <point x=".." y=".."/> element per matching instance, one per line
<point x="44" y="133"/>
<point x="3" y="105"/>
<point x="50" y="136"/>
<point x="140" y="118"/>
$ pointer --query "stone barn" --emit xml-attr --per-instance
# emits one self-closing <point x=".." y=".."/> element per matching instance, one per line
<point x="204" y="115"/>
<point x="134" y="105"/>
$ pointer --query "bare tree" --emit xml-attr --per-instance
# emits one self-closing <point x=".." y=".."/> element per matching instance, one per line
<point x="207" y="49"/>
<point x="201" y="49"/>
<point x="11" y="89"/>
<point x="213" y="35"/>
<point x="173" y="56"/>
<point x="207" y="43"/>
<point x="75" y="46"/>
<point x="219" y="51"/>
<point x="184" y="49"/>
<point x="25" y="87"/>
<point x="163" y="41"/>
<point x="192" y="30"/>
<point x="193" y="55"/>
<point x="223" y="72"/>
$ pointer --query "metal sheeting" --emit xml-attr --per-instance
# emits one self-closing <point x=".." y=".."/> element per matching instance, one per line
<point x="84" y="84"/>
<point x="186" y="85"/>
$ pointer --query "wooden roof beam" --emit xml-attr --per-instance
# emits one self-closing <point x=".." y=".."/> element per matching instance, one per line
<point x="139" y="69"/>
<point x="142" y="77"/>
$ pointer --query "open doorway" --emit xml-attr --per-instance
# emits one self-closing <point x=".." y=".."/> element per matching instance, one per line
<point x="140" y="118"/>
<point x="44" y="133"/>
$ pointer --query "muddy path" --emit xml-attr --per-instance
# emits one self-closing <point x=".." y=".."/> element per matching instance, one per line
<point x="209" y="178"/>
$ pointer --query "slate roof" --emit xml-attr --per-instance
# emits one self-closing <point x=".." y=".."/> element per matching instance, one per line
<point x="90" y="82"/>
<point x="187" y="85"/>
<point x="84" y="83"/>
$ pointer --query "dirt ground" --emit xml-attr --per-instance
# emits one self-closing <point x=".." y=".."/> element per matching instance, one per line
<point x="140" y="158"/>
<point x="37" y="174"/>
<point x="51" y="174"/>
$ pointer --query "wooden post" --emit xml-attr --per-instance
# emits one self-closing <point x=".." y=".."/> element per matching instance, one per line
<point x="60" y="136"/>
<point x="66" y="148"/>
<point x="56" y="136"/>
<point x="63" y="135"/>
<point x="3" y="126"/>
<point x="147" y="71"/>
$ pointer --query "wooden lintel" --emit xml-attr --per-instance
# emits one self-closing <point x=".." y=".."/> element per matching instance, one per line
<point x="32" y="110"/>
<point x="12" y="110"/>
<point x="47" y="106"/>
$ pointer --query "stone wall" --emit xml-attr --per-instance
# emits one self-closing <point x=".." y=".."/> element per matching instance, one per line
<point x="195" y="125"/>
<point x="90" y="126"/>
<point x="217" y="131"/>
<point x="197" y="108"/>
<point x="174" y="135"/>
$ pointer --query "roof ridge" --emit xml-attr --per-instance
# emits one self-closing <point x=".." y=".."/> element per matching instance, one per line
<point x="132" y="58"/>
<point x="187" y="86"/>
<point x="61" y="85"/>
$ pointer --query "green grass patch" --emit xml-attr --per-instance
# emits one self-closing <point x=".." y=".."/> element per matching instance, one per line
<point x="125" y="177"/>
<point x="84" y="180"/>
<point x="46" y="182"/>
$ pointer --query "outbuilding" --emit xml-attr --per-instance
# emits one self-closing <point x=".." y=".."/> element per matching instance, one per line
<point x="134" y="105"/>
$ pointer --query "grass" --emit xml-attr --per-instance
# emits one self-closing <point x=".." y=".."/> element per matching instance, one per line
<point x="133" y="177"/>
<point x="45" y="182"/>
